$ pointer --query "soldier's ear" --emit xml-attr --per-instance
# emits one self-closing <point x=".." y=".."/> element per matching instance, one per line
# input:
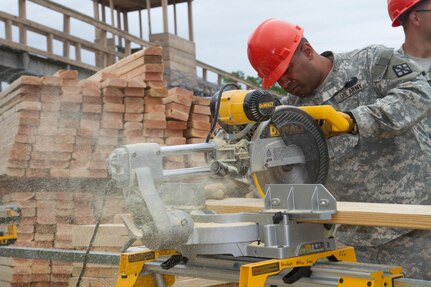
<point x="414" y="18"/>
<point x="307" y="50"/>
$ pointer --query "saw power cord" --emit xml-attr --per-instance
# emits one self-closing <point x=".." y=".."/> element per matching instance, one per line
<point x="98" y="218"/>
<point x="216" y="108"/>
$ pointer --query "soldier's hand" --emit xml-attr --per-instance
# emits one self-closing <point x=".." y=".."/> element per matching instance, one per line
<point x="329" y="130"/>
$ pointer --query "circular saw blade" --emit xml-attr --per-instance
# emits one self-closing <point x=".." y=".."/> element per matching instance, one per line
<point x="298" y="128"/>
<point x="291" y="174"/>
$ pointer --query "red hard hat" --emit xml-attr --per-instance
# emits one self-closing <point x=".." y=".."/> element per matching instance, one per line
<point x="271" y="47"/>
<point x="397" y="7"/>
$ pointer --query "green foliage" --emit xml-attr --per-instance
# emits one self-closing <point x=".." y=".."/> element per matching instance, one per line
<point x="255" y="80"/>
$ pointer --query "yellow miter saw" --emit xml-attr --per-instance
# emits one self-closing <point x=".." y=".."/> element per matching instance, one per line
<point x="281" y="147"/>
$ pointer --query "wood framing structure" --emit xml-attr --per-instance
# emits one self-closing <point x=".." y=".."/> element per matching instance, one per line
<point x="125" y="6"/>
<point x="60" y="48"/>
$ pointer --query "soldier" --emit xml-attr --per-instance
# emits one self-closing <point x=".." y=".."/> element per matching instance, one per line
<point x="386" y="158"/>
<point x="415" y="18"/>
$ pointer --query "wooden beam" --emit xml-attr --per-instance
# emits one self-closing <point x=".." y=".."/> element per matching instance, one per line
<point x="204" y="74"/>
<point x="111" y="5"/>
<point x="190" y="17"/>
<point x="118" y="65"/>
<point x="46" y="54"/>
<point x="103" y="12"/>
<point x="78" y="48"/>
<point x="58" y="35"/>
<point x="97" y="31"/>
<point x="349" y="213"/>
<point x="165" y="16"/>
<point x="22" y="14"/>
<point x="66" y="31"/>
<point x="87" y="19"/>
<point x="140" y="24"/>
<point x="96" y="10"/>
<point x="8" y="30"/>
<point x="127" y="46"/>
<point x="120" y="41"/>
<point x="148" y="6"/>
<point x="175" y="18"/>
<point x="50" y="43"/>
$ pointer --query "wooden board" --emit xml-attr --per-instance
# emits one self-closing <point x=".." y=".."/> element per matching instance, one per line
<point x="120" y="65"/>
<point x="350" y="213"/>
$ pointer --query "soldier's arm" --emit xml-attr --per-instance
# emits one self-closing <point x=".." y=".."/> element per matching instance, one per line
<point x="405" y="99"/>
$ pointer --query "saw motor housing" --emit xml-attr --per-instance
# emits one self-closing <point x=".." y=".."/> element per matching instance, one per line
<point x="238" y="107"/>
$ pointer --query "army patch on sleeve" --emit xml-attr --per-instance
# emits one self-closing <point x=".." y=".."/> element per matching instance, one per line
<point x="402" y="69"/>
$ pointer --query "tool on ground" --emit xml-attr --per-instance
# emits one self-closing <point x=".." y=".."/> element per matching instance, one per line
<point x="9" y="216"/>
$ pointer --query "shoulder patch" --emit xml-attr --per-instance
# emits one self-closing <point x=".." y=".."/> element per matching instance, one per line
<point x="402" y="69"/>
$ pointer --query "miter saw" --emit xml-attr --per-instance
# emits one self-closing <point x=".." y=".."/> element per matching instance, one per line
<point x="281" y="148"/>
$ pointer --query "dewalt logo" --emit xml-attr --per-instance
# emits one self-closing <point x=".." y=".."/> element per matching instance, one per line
<point x="273" y="132"/>
<point x="266" y="105"/>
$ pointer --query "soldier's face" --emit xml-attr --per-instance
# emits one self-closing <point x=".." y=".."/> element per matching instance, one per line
<point x="300" y="77"/>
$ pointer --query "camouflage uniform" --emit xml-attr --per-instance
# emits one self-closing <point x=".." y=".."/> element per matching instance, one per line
<point x="389" y="160"/>
<point x="427" y="73"/>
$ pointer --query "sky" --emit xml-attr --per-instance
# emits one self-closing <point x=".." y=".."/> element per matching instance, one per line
<point x="222" y="27"/>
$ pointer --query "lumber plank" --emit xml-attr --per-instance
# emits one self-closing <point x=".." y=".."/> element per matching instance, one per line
<point x="123" y="62"/>
<point x="349" y="213"/>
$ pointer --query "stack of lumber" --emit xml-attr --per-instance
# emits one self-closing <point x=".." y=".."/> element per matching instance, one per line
<point x="48" y="132"/>
<point x="60" y="127"/>
<point x="47" y="221"/>
<point x="146" y="64"/>
<point x="57" y="132"/>
<point x="177" y="109"/>
<point x="200" y="118"/>
<point x="198" y="125"/>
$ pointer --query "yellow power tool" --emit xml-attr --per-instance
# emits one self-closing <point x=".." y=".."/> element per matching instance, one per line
<point x="9" y="215"/>
<point x="256" y="114"/>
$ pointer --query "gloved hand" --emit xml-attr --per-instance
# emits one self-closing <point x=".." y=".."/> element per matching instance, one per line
<point x="329" y="130"/>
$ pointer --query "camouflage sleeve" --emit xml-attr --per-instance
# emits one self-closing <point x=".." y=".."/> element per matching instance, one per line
<point x="404" y="100"/>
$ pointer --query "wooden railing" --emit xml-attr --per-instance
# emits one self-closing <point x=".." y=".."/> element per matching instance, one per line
<point x="223" y="75"/>
<point x="104" y="50"/>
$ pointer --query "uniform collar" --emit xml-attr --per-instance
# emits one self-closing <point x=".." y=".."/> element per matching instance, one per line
<point x="332" y="84"/>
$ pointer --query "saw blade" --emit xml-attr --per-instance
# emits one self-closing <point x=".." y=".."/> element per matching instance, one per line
<point x="291" y="174"/>
<point x="298" y="128"/>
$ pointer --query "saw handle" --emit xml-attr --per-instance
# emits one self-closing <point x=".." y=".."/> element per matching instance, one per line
<point x="332" y="122"/>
